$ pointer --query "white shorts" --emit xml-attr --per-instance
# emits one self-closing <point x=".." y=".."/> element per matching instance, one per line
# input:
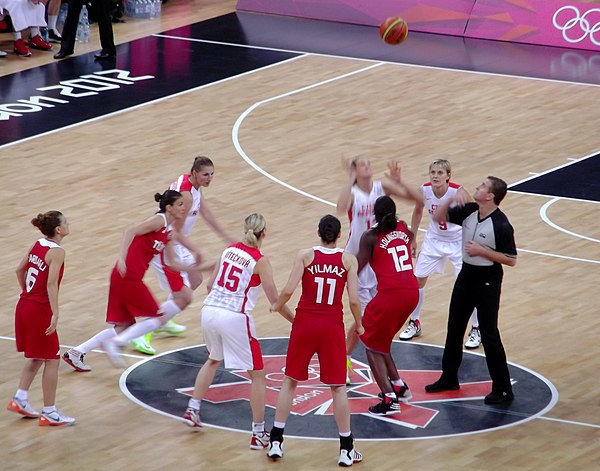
<point x="433" y="256"/>
<point x="231" y="336"/>
<point x="367" y="286"/>
<point x="184" y="256"/>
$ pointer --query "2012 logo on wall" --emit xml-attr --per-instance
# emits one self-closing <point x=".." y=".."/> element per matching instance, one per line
<point x="165" y="382"/>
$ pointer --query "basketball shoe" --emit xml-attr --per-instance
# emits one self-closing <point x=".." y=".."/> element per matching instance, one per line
<point x="259" y="441"/>
<point x="142" y="344"/>
<point x="474" y="339"/>
<point x="387" y="406"/>
<point x="275" y="450"/>
<point x="75" y="359"/>
<point x="37" y="42"/>
<point x="172" y="328"/>
<point x="54" y="419"/>
<point x="192" y="418"/>
<point x="348" y="458"/>
<point x="21" y="48"/>
<point x="413" y="329"/>
<point x="22" y="407"/>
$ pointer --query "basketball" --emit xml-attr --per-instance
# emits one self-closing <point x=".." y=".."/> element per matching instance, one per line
<point x="393" y="30"/>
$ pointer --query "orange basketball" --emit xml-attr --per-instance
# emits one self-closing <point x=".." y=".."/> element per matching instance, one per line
<point x="393" y="30"/>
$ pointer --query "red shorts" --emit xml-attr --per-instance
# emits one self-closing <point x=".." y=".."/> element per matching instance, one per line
<point x="174" y="278"/>
<point x="321" y="334"/>
<point x="128" y="299"/>
<point x="385" y="315"/>
<point x="31" y="321"/>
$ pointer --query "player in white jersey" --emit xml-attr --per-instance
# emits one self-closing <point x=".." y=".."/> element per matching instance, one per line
<point x="357" y="200"/>
<point x="443" y="241"/>
<point x="228" y="327"/>
<point x="190" y="186"/>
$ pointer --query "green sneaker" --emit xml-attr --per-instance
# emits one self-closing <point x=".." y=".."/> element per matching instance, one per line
<point x="171" y="328"/>
<point x="142" y="344"/>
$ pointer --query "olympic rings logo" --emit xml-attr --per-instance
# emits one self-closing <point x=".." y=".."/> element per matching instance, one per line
<point x="579" y="19"/>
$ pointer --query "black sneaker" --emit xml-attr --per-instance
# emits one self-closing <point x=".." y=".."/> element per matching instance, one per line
<point x="387" y="406"/>
<point x="54" y="36"/>
<point x="499" y="397"/>
<point x="403" y="393"/>
<point x="440" y="386"/>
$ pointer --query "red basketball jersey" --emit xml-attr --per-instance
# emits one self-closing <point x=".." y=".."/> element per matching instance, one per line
<point x="392" y="261"/>
<point x="143" y="248"/>
<point x="323" y="282"/>
<point x="36" y="274"/>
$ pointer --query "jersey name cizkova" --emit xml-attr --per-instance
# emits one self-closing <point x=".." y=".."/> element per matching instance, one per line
<point x="440" y="230"/>
<point x="144" y="247"/>
<point x="36" y="271"/>
<point x="236" y="287"/>
<point x="361" y="214"/>
<point x="183" y="184"/>
<point x="392" y="260"/>
<point x="323" y="282"/>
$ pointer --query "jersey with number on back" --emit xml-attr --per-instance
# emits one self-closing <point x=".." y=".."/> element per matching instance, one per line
<point x="143" y="248"/>
<point x="236" y="286"/>
<point x="391" y="259"/>
<point x="362" y="214"/>
<point x="440" y="230"/>
<point x="323" y="282"/>
<point x="183" y="184"/>
<point x="36" y="274"/>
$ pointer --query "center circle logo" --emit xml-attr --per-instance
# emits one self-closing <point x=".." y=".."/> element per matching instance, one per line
<point x="165" y="382"/>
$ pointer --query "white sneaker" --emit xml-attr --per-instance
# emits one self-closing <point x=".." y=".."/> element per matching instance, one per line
<point x="3" y="54"/>
<point x="275" y="450"/>
<point x="413" y="329"/>
<point x="192" y="418"/>
<point x="259" y="440"/>
<point x="172" y="328"/>
<point x="23" y="408"/>
<point x="348" y="458"/>
<point x="75" y="359"/>
<point x="474" y="339"/>
<point x="55" y="418"/>
<point x="113" y="352"/>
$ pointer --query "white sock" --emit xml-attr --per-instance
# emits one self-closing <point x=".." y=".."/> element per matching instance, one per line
<point x="398" y="382"/>
<point x="52" y="21"/>
<point x="169" y="309"/>
<point x="474" y="319"/>
<point x="17" y="35"/>
<point x="194" y="403"/>
<point x="417" y="312"/>
<point x="258" y="427"/>
<point x="137" y="330"/>
<point x="48" y="409"/>
<point x="279" y="424"/>
<point x="345" y="434"/>
<point x="34" y="31"/>
<point x="22" y="395"/>
<point x="96" y="341"/>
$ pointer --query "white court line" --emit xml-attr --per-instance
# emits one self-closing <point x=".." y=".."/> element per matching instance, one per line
<point x="408" y="64"/>
<point x="236" y="142"/>
<point x="546" y="219"/>
<point x="570" y="422"/>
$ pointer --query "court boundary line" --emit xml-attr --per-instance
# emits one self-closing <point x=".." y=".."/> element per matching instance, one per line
<point x="407" y="64"/>
<point x="547" y="220"/>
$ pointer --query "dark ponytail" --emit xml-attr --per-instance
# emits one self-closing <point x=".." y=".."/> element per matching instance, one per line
<point x="168" y="198"/>
<point x="48" y="222"/>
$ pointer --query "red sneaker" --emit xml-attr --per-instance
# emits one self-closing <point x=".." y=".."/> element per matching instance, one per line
<point x="21" y="49"/>
<point x="37" y="42"/>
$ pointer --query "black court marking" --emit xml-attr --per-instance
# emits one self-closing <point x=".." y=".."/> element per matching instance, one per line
<point x="580" y="180"/>
<point x="164" y="383"/>
<point x="79" y="89"/>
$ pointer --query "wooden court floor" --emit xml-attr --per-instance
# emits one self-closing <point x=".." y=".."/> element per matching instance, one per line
<point x="290" y="124"/>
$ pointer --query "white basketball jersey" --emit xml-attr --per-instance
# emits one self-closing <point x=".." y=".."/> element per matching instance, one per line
<point x="236" y="288"/>
<point x="361" y="214"/>
<point x="183" y="184"/>
<point x="440" y="230"/>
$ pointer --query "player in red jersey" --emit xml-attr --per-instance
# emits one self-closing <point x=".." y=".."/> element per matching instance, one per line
<point x="36" y="317"/>
<point x="190" y="186"/>
<point x="128" y="296"/>
<point x="319" y="328"/>
<point x="387" y="247"/>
